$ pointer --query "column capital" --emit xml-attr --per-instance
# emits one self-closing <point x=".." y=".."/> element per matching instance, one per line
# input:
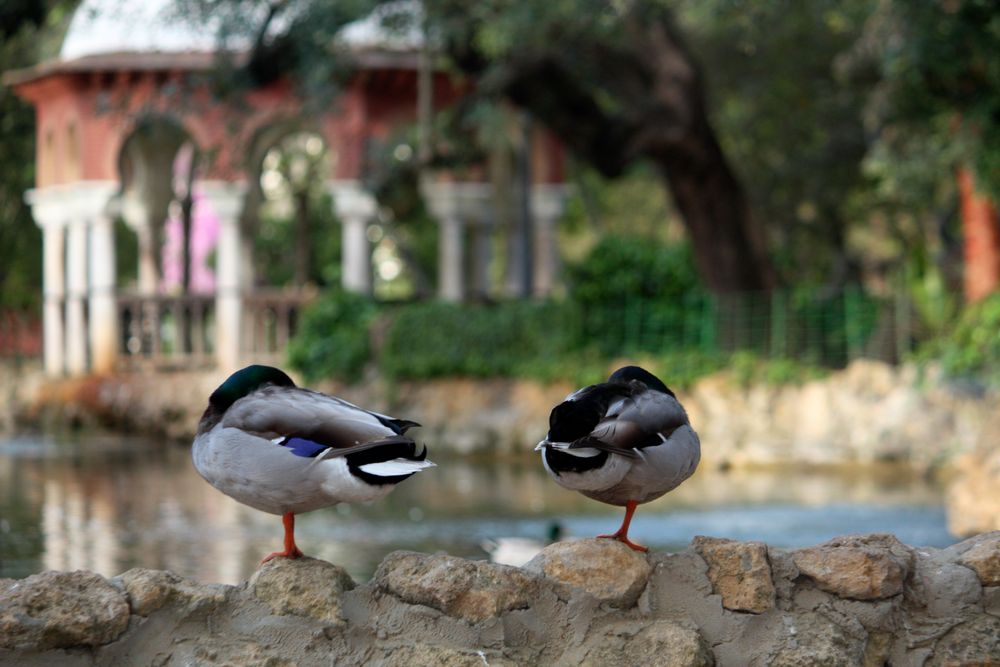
<point x="352" y="200"/>
<point x="462" y="200"/>
<point x="548" y="200"/>
<point x="226" y="197"/>
<point x="60" y="205"/>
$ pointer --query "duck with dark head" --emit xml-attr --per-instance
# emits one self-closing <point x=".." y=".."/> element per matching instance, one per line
<point x="624" y="442"/>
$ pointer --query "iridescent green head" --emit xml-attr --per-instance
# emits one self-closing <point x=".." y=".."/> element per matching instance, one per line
<point x="245" y="381"/>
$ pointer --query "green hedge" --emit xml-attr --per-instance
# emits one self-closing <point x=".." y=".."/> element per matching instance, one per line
<point x="333" y="336"/>
<point x="506" y="339"/>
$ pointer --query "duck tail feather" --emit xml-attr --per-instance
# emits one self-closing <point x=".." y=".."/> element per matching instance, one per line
<point x="594" y="443"/>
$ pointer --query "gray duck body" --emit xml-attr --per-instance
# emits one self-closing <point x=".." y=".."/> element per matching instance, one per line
<point x="284" y="449"/>
<point x="625" y="440"/>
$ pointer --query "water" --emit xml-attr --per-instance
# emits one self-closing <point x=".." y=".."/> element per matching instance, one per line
<point x="109" y="503"/>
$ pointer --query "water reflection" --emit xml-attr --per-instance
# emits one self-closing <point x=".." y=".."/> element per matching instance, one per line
<point x="108" y="504"/>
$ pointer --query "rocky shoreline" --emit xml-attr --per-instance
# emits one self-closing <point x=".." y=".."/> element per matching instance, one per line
<point x="869" y="412"/>
<point x="856" y="600"/>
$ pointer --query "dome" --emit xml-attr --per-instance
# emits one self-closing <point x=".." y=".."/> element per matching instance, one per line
<point x="101" y="27"/>
<point x="134" y="26"/>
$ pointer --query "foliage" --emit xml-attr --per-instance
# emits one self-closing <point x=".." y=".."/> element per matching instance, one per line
<point x="972" y="347"/>
<point x="435" y="339"/>
<point x="940" y="77"/>
<point x="625" y="282"/>
<point x="25" y="28"/>
<point x="790" y="124"/>
<point x="333" y="336"/>
<point x="633" y="267"/>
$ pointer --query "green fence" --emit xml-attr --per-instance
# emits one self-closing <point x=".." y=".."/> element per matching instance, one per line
<point x="819" y="327"/>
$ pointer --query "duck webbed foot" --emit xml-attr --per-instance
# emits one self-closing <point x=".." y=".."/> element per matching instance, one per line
<point x="291" y="550"/>
<point x="622" y="533"/>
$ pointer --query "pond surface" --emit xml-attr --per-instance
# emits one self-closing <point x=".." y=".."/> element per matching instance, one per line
<point x="111" y="503"/>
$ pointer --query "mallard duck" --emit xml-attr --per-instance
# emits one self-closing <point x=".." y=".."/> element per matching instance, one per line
<point x="624" y="442"/>
<point x="517" y="551"/>
<point x="286" y="450"/>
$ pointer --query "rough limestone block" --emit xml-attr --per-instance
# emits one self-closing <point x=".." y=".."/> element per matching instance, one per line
<point x="740" y="573"/>
<point x="975" y="642"/>
<point x="607" y="569"/>
<point x="857" y="567"/>
<point x="302" y="587"/>
<point x="471" y="590"/>
<point x="61" y="610"/>
<point x="149" y="590"/>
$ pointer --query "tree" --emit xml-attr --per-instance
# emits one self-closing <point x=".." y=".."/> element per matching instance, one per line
<point x="939" y="85"/>
<point x="615" y="81"/>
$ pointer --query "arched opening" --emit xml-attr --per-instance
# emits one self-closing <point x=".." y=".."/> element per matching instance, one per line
<point x="166" y="237"/>
<point x="296" y="244"/>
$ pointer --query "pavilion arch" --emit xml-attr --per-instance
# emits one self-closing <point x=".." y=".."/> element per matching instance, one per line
<point x="151" y="179"/>
<point x="124" y="98"/>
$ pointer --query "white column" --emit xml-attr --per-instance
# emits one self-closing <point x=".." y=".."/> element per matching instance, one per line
<point x="356" y="208"/>
<point x="103" y="308"/>
<point x="76" y="295"/>
<point x="90" y="209"/>
<point x="51" y="214"/>
<point x="54" y="290"/>
<point x="546" y="206"/>
<point x="451" y="255"/>
<point x="226" y="201"/>
<point x="452" y="204"/>
<point x="137" y="216"/>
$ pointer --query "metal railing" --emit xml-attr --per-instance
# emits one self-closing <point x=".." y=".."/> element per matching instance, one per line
<point x="179" y="331"/>
<point x="166" y="331"/>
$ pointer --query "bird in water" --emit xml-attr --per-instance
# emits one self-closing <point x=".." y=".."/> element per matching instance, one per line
<point x="286" y="450"/>
<point x="624" y="442"/>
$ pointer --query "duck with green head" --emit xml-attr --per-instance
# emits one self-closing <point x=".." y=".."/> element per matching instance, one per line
<point x="286" y="450"/>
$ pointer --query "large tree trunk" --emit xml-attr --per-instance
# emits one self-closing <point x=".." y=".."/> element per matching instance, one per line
<point x="658" y="114"/>
<point x="981" y="232"/>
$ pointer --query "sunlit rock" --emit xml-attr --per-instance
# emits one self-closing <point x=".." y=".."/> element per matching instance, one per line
<point x="656" y="644"/>
<point x="972" y="502"/>
<point x="984" y="559"/>
<point x="740" y="573"/>
<point x="302" y="587"/>
<point x="61" y="610"/>
<point x="149" y="590"/>
<point x="470" y="590"/>
<point x="858" y="567"/>
<point x="607" y="569"/>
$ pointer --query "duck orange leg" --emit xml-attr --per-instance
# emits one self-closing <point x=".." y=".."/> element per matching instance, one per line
<point x="622" y="533"/>
<point x="291" y="551"/>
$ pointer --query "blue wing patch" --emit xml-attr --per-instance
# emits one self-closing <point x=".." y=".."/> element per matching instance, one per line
<point x="304" y="448"/>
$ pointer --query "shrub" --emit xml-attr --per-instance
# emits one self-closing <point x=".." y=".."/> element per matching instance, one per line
<point x="332" y="340"/>
<point x="972" y="348"/>
<point x="629" y="286"/>
<point x="507" y="339"/>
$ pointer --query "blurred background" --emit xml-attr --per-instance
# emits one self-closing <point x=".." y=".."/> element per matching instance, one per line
<point x="458" y="213"/>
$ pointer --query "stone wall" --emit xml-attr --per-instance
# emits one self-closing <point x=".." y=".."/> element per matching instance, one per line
<point x="856" y="600"/>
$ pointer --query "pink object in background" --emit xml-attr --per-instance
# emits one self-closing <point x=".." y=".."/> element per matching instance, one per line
<point x="204" y="236"/>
